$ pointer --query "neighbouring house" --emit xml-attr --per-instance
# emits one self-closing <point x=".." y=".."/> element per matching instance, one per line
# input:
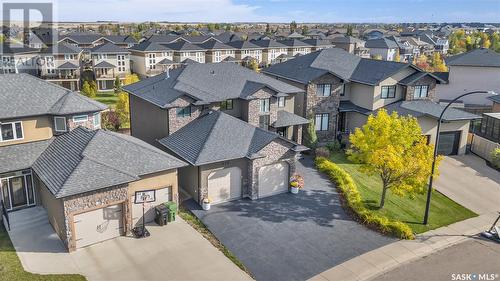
<point x="60" y="64"/>
<point x="341" y="90"/>
<point x="478" y="69"/>
<point x="221" y="116"/>
<point x="496" y="103"/>
<point x="318" y="44"/>
<point x="348" y="43"/>
<point x="296" y="47"/>
<point x="486" y="136"/>
<point x="91" y="40"/>
<point x="185" y="52"/>
<point x="383" y="47"/>
<point x="272" y="49"/>
<point x="18" y="58"/>
<point x="217" y="51"/>
<point x="246" y="51"/>
<point x="149" y="58"/>
<point x="109" y="62"/>
<point x="53" y="154"/>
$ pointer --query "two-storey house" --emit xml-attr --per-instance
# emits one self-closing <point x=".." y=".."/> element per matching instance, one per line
<point x="149" y="58"/>
<point x="342" y="90"/>
<point x="246" y="50"/>
<point x="383" y="48"/>
<point x="296" y="47"/>
<point x="56" y="162"/>
<point x="217" y="51"/>
<point x="236" y="128"/>
<point x="271" y="51"/>
<point x="185" y="52"/>
<point x="109" y="62"/>
<point x="61" y="64"/>
<point x="18" y="58"/>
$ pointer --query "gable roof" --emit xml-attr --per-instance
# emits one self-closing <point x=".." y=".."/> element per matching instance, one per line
<point x="418" y="108"/>
<point x="68" y="65"/>
<point x="268" y="44"/>
<point x="21" y="156"/>
<point x="478" y="57"/>
<point x="104" y="64"/>
<point x="294" y="43"/>
<point x="338" y="62"/>
<point x="62" y="48"/>
<point x="149" y="46"/>
<point x="243" y="45"/>
<point x="95" y="159"/>
<point x="205" y="83"/>
<point x="318" y="42"/>
<point x="163" y="39"/>
<point x="182" y="45"/>
<point x="108" y="48"/>
<point x="23" y="95"/>
<point x="217" y="137"/>
<point x="382" y="43"/>
<point x="213" y="44"/>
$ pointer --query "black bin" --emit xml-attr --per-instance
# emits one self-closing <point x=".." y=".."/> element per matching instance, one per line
<point x="161" y="215"/>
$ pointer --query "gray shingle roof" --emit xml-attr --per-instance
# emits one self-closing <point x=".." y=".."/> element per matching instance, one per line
<point x="108" y="48"/>
<point x="182" y="45"/>
<point x="209" y="82"/>
<point x="243" y="45"/>
<point x="418" y="75"/>
<point x="318" y="42"/>
<point x="215" y="45"/>
<point x="477" y="57"/>
<point x="68" y="65"/>
<point x="23" y="95"/>
<point x="285" y="119"/>
<point x="62" y="48"/>
<point x="418" y="108"/>
<point x="104" y="64"/>
<point x="217" y="137"/>
<point x="83" y="160"/>
<point x="294" y="43"/>
<point x="21" y="156"/>
<point x="348" y="106"/>
<point x="347" y="39"/>
<point x="6" y="48"/>
<point x="90" y="38"/>
<point x="148" y="46"/>
<point x="163" y="39"/>
<point x="382" y="43"/>
<point x="166" y="61"/>
<point x="268" y="44"/>
<point x="495" y="98"/>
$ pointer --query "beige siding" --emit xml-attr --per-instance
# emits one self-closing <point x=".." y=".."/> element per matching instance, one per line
<point x="362" y="95"/>
<point x="54" y="207"/>
<point x="355" y="120"/>
<point x="34" y="129"/>
<point x="148" y="122"/>
<point x="429" y="127"/>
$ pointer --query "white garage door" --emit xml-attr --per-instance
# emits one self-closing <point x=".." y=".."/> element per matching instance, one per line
<point x="98" y="225"/>
<point x="273" y="179"/>
<point x="162" y="196"/>
<point x="224" y="185"/>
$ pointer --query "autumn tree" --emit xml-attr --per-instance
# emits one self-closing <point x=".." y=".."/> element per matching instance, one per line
<point x="253" y="65"/>
<point x="86" y="90"/>
<point x="393" y="148"/>
<point x="438" y="64"/>
<point x="130" y="79"/>
<point x="377" y="57"/>
<point x="397" y="57"/>
<point x="122" y="105"/>
<point x="421" y="62"/>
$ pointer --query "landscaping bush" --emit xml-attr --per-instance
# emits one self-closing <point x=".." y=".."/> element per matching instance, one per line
<point x="333" y="146"/>
<point x="322" y="152"/>
<point x="111" y="120"/>
<point x="495" y="158"/>
<point x="353" y="200"/>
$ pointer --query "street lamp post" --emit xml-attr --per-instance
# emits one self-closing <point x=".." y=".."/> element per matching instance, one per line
<point x="429" y="190"/>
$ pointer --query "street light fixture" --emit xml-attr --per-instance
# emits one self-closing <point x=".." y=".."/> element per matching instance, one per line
<point x="429" y="190"/>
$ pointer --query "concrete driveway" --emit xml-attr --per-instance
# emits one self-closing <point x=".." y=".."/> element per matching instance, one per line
<point x="291" y="237"/>
<point x="173" y="252"/>
<point x="470" y="182"/>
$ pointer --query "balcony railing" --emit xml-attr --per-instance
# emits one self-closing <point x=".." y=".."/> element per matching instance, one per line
<point x="61" y="76"/>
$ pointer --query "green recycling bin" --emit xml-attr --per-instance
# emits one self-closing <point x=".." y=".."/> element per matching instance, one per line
<point x="172" y="210"/>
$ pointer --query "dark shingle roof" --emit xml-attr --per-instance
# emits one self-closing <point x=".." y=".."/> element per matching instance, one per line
<point x="347" y="39"/>
<point x="21" y="156"/>
<point x="443" y="76"/>
<point x="418" y="108"/>
<point x="104" y="64"/>
<point x="98" y="159"/>
<point x="495" y="98"/>
<point x="382" y="43"/>
<point x="348" y="106"/>
<point x="6" y="48"/>
<point x="209" y="82"/>
<point x="371" y="72"/>
<point x="268" y="44"/>
<point x="148" y="46"/>
<point x="68" y="65"/>
<point x="62" y="48"/>
<point x="243" y="45"/>
<point x="217" y="137"/>
<point x="215" y="45"/>
<point x="477" y="57"/>
<point x="285" y="119"/>
<point x="24" y="95"/>
<point x="108" y="48"/>
<point x="294" y="43"/>
<point x="318" y="42"/>
<point x="163" y="39"/>
<point x="418" y="75"/>
<point x="182" y="45"/>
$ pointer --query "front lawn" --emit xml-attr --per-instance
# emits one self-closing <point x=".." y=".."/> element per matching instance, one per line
<point x="109" y="98"/>
<point x="444" y="211"/>
<point x="12" y="270"/>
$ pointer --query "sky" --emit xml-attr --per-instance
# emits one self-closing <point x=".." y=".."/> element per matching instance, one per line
<point x="316" y="11"/>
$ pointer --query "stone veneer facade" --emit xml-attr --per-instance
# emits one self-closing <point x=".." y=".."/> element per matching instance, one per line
<point x="71" y="125"/>
<point x="318" y="104"/>
<point x="93" y="200"/>
<point x="174" y="122"/>
<point x="425" y="81"/>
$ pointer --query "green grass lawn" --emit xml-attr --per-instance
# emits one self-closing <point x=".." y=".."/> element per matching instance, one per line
<point x="444" y="211"/>
<point x="12" y="270"/>
<point x="109" y="98"/>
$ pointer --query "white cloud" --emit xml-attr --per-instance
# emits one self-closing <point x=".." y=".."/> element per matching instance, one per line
<point x="157" y="10"/>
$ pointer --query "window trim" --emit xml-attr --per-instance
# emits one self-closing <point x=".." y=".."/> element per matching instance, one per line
<point x="321" y="115"/>
<point x="420" y="91"/>
<point x="55" y="124"/>
<point x="388" y="91"/>
<point x="284" y="102"/>
<point x="79" y="116"/>
<point x="14" y="131"/>
<point x="266" y="108"/>
<point x="98" y="125"/>
<point x="323" y="92"/>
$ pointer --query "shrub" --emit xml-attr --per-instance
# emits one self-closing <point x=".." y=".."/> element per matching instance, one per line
<point x="310" y="137"/>
<point x="322" y="152"/>
<point x="333" y="146"/>
<point x="495" y="158"/>
<point x="111" y="120"/>
<point x="349" y="191"/>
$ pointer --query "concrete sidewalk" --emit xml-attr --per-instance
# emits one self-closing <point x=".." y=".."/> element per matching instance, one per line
<point x="376" y="262"/>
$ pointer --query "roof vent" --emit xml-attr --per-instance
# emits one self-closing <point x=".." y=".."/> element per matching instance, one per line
<point x="212" y="72"/>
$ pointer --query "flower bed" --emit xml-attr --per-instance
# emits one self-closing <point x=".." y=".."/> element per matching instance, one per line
<point x="352" y="200"/>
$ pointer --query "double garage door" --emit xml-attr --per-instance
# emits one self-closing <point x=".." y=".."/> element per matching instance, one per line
<point x="225" y="185"/>
<point x="98" y="225"/>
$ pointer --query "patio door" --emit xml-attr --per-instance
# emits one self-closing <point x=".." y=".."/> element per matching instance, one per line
<point x="17" y="191"/>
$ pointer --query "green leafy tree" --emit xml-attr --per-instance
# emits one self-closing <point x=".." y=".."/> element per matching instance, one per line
<point x="310" y="137"/>
<point x="349" y="30"/>
<point x="304" y="29"/>
<point x="293" y="26"/>
<point x="86" y="90"/>
<point x="253" y="65"/>
<point x="118" y="85"/>
<point x="394" y="148"/>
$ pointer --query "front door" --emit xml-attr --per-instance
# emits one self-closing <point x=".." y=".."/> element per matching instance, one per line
<point x="17" y="190"/>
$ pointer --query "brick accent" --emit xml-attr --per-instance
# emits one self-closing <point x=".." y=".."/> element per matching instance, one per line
<point x="77" y="204"/>
<point x="174" y="122"/>
<point x="276" y="151"/>
<point x="254" y="107"/>
<point x="426" y="80"/>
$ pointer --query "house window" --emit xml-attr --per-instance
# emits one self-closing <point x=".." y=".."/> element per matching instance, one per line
<point x="324" y="90"/>
<point x="281" y="101"/>
<point x="184" y="112"/>
<point x="420" y="91"/>
<point x="388" y="92"/>
<point x="264" y="105"/>
<point x="226" y="105"/>
<point x="11" y="131"/>
<point x="80" y="118"/>
<point x="321" y="122"/>
<point x="60" y="124"/>
<point x="264" y="122"/>
<point x="97" y="120"/>
<point x="342" y="90"/>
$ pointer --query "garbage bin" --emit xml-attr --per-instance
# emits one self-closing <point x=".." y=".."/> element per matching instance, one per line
<point x="172" y="210"/>
<point x="161" y="214"/>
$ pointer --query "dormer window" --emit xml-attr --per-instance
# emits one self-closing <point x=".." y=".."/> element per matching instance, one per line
<point x="420" y="92"/>
<point x="11" y="131"/>
<point x="60" y="124"/>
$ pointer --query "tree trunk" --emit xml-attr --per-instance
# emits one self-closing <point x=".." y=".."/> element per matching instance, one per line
<point x="382" y="200"/>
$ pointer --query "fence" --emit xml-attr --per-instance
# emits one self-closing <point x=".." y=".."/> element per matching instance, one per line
<point x="483" y="147"/>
